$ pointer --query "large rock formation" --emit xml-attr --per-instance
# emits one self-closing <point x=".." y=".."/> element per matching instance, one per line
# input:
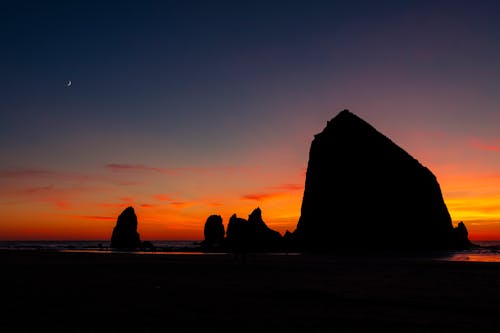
<point x="125" y="234"/>
<point x="362" y="190"/>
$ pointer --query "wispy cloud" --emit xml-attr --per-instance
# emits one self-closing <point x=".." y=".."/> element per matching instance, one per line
<point x="113" y="205"/>
<point x="488" y="146"/>
<point x="288" y="187"/>
<point x="38" y="189"/>
<point x="128" y="200"/>
<point x="174" y="201"/>
<point x="482" y="222"/>
<point x="25" y="173"/>
<point x="62" y="204"/>
<point x="272" y="192"/>
<point x="125" y="202"/>
<point x="94" y="217"/>
<point x="124" y="167"/>
<point x="262" y="196"/>
<point x="115" y="167"/>
<point x="182" y="204"/>
<point x="214" y="204"/>
<point x="59" y="197"/>
<point x="30" y="173"/>
<point x="147" y="206"/>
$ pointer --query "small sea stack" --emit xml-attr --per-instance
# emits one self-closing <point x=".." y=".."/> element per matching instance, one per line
<point x="213" y="231"/>
<point x="364" y="191"/>
<point x="265" y="237"/>
<point x="125" y="235"/>
<point x="252" y="234"/>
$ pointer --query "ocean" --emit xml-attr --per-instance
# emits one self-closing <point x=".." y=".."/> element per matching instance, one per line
<point x="488" y="251"/>
<point x="97" y="246"/>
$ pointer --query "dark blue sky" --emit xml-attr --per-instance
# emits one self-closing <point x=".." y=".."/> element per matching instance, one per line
<point x="154" y="62"/>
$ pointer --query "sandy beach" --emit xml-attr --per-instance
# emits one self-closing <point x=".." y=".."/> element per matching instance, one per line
<point x="92" y="292"/>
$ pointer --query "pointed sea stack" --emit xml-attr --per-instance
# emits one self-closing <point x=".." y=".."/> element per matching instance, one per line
<point x="125" y="234"/>
<point x="265" y="237"/>
<point x="364" y="191"/>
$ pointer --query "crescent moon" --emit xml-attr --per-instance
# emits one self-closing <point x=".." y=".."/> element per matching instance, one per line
<point x="68" y="84"/>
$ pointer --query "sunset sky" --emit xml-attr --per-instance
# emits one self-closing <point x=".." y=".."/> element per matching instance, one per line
<point x="183" y="109"/>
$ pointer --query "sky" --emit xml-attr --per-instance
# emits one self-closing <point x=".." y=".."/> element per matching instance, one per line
<point x="183" y="109"/>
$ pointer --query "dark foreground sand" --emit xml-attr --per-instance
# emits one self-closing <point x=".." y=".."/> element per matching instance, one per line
<point x="85" y="292"/>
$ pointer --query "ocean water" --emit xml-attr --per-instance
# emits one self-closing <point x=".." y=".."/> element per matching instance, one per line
<point x="90" y="246"/>
<point x="488" y="251"/>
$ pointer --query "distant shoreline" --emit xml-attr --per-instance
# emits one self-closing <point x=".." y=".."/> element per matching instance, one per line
<point x="482" y="254"/>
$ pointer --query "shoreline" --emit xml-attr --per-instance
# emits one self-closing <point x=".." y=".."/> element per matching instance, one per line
<point x="476" y="255"/>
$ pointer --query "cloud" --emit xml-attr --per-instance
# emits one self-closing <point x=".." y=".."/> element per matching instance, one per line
<point x="62" y="204"/>
<point x="30" y="173"/>
<point x="26" y="173"/>
<point x="261" y="196"/>
<point x="174" y="202"/>
<point x="123" y="167"/>
<point x="38" y="189"/>
<point x="482" y="222"/>
<point x="94" y="217"/>
<point x="214" y="204"/>
<point x="59" y="197"/>
<point x="56" y="175"/>
<point x="128" y="200"/>
<point x="182" y="204"/>
<point x="487" y="146"/>
<point x="288" y="187"/>
<point x="125" y="202"/>
<point x="272" y="192"/>
<point x="147" y="206"/>
<point x="116" y="167"/>
<point x="113" y="205"/>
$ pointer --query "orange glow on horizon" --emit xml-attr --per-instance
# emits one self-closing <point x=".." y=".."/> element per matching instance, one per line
<point x="473" y="198"/>
<point x="66" y="212"/>
<point x="165" y="221"/>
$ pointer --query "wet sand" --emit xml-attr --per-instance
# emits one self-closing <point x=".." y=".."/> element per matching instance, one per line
<point x="92" y="292"/>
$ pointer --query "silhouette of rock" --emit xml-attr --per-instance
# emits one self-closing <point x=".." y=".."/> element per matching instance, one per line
<point x="289" y="241"/>
<point x="148" y="246"/>
<point x="362" y="190"/>
<point x="238" y="234"/>
<point x="214" y="231"/>
<point x="461" y="236"/>
<point x="125" y="234"/>
<point x="263" y="236"/>
<point x="254" y="234"/>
